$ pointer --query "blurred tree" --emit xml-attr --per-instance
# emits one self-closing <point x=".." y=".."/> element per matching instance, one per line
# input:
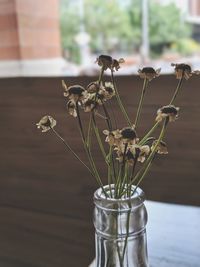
<point x="70" y="27"/>
<point x="166" y="26"/>
<point x="115" y="26"/>
<point x="109" y="26"/>
<point x="107" y="23"/>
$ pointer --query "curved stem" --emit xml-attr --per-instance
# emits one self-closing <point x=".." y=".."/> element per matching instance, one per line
<point x="177" y="90"/>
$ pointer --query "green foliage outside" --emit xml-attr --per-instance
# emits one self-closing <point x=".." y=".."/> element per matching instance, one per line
<point x="108" y="25"/>
<point x="186" y="46"/>
<point x="116" y="27"/>
<point x="166" y="27"/>
<point x="70" y="26"/>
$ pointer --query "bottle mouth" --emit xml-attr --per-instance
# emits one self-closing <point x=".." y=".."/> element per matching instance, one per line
<point x="135" y="200"/>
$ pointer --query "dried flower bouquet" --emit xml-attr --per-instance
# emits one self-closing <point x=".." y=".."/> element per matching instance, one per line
<point x="128" y="156"/>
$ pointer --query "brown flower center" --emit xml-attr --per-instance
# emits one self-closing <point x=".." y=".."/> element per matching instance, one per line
<point x="183" y="67"/>
<point x="169" y="110"/>
<point x="109" y="89"/>
<point x="47" y="122"/>
<point x="105" y="58"/>
<point x="76" y="90"/>
<point x="128" y="133"/>
<point x="148" y="70"/>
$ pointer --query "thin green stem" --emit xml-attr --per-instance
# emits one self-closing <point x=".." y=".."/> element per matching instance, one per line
<point x="88" y="152"/>
<point x="110" y="171"/>
<point x="142" y="142"/>
<point x="123" y="110"/>
<point x="96" y="130"/>
<point x="113" y="113"/>
<point x="177" y="90"/>
<point x="141" y="174"/>
<point x="145" y="84"/>
<point x="71" y="150"/>
<point x="157" y="123"/>
<point x="132" y="175"/>
<point x="80" y="123"/>
<point x="127" y="231"/>
<point x="108" y="119"/>
<point x="109" y="123"/>
<point x="118" y="180"/>
<point x="89" y="132"/>
<point x="125" y="180"/>
<point x="121" y="172"/>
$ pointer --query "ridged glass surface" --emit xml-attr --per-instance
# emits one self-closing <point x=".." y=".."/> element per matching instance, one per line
<point x="120" y="231"/>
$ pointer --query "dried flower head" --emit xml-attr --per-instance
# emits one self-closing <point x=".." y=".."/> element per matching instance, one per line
<point x="108" y="90"/>
<point x="116" y="64"/>
<point x="132" y="153"/>
<point x="107" y="62"/>
<point x="169" y="111"/>
<point x="71" y="108"/>
<point x="161" y="147"/>
<point x="113" y="137"/>
<point x="89" y="104"/>
<point x="104" y="61"/>
<point x="124" y="153"/>
<point x="149" y="73"/>
<point x="140" y="152"/>
<point x="75" y="92"/>
<point x="46" y="123"/>
<point x="93" y="87"/>
<point x="143" y="152"/>
<point x="184" y="71"/>
<point x="128" y="135"/>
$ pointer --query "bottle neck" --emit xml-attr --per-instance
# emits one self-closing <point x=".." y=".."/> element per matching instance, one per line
<point x="119" y="217"/>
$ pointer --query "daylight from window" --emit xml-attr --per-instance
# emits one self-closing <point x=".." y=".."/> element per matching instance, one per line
<point x="64" y="37"/>
<point x="147" y="32"/>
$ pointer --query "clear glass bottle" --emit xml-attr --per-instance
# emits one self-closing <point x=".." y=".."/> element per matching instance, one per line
<point x="120" y="226"/>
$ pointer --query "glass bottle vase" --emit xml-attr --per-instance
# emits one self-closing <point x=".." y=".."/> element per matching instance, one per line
<point x="120" y="230"/>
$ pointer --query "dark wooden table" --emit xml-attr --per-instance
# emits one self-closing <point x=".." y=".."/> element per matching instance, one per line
<point x="173" y="233"/>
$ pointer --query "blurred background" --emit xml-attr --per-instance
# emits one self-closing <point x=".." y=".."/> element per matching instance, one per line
<point x="65" y="37"/>
<point x="45" y="195"/>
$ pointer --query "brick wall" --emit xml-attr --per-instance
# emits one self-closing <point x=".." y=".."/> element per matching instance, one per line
<point x="29" y="29"/>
